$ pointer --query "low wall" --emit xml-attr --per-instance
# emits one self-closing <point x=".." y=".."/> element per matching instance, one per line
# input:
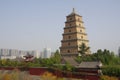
<point x="37" y="71"/>
<point x="58" y="73"/>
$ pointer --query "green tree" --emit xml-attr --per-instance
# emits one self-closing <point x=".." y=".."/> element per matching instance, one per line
<point x="56" y="58"/>
<point x="83" y="49"/>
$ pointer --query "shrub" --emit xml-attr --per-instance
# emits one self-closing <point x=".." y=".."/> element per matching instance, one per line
<point x="104" y="77"/>
<point x="48" y="76"/>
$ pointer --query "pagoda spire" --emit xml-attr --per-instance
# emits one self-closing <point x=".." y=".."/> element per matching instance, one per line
<point x="73" y="10"/>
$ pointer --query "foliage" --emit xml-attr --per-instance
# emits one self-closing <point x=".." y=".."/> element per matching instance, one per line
<point x="48" y="75"/>
<point x="56" y="58"/>
<point x="67" y="67"/>
<point x="105" y="56"/>
<point x="10" y="63"/>
<point x="14" y="75"/>
<point x="7" y="77"/>
<point x="83" y="49"/>
<point x="104" y="77"/>
<point x="111" y="70"/>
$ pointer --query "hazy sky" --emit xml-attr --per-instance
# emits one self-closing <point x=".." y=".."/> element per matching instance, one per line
<point x="36" y="24"/>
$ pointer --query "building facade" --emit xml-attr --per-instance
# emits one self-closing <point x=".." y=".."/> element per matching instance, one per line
<point x="74" y="34"/>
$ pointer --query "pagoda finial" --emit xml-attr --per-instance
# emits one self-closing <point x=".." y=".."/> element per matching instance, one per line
<point x="73" y="10"/>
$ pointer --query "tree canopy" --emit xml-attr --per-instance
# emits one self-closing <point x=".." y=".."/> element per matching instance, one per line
<point x="83" y="49"/>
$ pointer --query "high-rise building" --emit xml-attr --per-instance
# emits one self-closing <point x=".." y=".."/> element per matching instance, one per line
<point x="74" y="34"/>
<point x="14" y="52"/>
<point x="34" y="53"/>
<point x="46" y="53"/>
<point x="8" y="54"/>
<point x="4" y="52"/>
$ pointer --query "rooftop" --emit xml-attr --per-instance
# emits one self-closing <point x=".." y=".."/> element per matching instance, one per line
<point x="93" y="64"/>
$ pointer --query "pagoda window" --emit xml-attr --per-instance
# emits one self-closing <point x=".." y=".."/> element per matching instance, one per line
<point x="69" y="30"/>
<point x="80" y="30"/>
<point x="81" y="37"/>
<point x="69" y="44"/>
<point x="70" y="19"/>
<point x="69" y="37"/>
<point x="68" y="51"/>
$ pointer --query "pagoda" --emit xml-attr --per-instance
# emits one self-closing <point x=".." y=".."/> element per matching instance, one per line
<point x="74" y="34"/>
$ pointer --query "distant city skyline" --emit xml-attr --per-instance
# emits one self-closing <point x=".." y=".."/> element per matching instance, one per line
<point x="15" y="53"/>
<point x="35" y="25"/>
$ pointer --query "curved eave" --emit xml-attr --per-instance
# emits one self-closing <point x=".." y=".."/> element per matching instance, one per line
<point x="74" y="21"/>
<point x="74" y="40"/>
<point x="70" y="47"/>
<point x="73" y="27"/>
<point x="74" y="33"/>
<point x="73" y="14"/>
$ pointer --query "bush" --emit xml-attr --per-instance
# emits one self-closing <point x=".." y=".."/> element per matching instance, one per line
<point x="104" y="77"/>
